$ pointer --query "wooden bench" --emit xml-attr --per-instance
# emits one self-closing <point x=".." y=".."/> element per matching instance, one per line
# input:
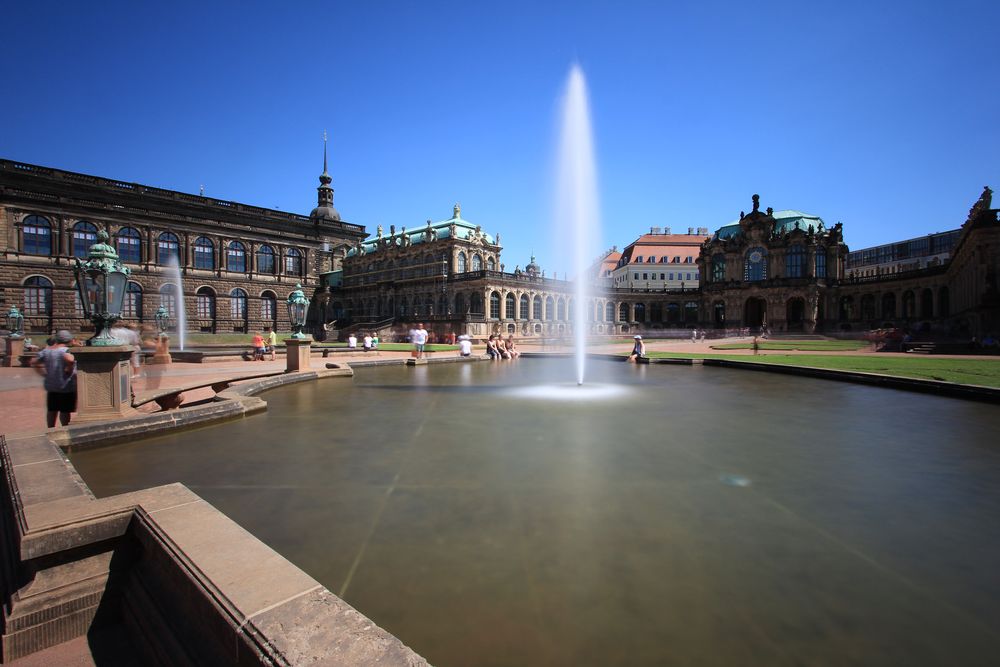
<point x="169" y="398"/>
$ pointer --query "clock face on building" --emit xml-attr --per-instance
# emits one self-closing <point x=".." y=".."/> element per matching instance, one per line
<point x="756" y="256"/>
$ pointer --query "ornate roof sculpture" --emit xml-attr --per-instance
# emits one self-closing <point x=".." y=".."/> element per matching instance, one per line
<point x="454" y="227"/>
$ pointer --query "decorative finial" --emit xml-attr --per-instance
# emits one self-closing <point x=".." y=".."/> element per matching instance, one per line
<point x="324" y="151"/>
<point x="457" y="211"/>
<point x="756" y="203"/>
<point x="201" y="190"/>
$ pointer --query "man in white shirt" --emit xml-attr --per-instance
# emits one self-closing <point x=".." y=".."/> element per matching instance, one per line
<point x="352" y="342"/>
<point x="465" y="347"/>
<point x="419" y="339"/>
<point x="367" y="342"/>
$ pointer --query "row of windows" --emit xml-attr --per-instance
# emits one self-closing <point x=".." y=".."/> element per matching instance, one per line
<point x="38" y="301"/>
<point x="664" y="259"/>
<point x="755" y="264"/>
<point x="666" y="276"/>
<point x="477" y="263"/>
<point x="37" y="233"/>
<point x="933" y="244"/>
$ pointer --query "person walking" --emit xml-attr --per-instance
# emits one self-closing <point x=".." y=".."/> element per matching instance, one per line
<point x="419" y="339"/>
<point x="272" y="341"/>
<point x="58" y="366"/>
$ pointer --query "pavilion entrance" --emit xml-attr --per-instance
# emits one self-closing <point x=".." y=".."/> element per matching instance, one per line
<point x="755" y="312"/>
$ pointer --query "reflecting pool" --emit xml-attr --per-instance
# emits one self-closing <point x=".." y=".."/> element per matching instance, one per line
<point x="687" y="515"/>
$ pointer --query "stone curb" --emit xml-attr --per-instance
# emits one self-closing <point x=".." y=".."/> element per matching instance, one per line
<point x="940" y="387"/>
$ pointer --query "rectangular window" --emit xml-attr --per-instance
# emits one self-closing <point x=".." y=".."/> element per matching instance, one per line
<point x="645" y="276"/>
<point x="636" y="277"/>
<point x="238" y="304"/>
<point x="662" y="276"/>
<point x="37" y="240"/>
<point x="671" y="276"/>
<point x="165" y="250"/>
<point x="37" y="301"/>
<point x="128" y="249"/>
<point x="205" y="307"/>
<point x="821" y="263"/>
<point x="267" y="309"/>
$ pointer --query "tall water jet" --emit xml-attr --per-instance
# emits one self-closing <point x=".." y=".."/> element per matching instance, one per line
<point x="175" y="273"/>
<point x="577" y="207"/>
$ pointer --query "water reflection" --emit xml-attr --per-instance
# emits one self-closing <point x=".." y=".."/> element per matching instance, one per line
<point x="702" y="516"/>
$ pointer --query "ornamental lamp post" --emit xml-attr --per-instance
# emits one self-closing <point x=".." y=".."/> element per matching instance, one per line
<point x="14" y="342"/>
<point x="162" y="318"/>
<point x="298" y="306"/>
<point x="15" y="321"/>
<point x="101" y="282"/>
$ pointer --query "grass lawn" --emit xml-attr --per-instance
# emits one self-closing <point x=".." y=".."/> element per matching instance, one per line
<point x="974" y="370"/>
<point x="807" y="345"/>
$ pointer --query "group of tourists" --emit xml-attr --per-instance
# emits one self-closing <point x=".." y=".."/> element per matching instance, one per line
<point x="368" y="343"/>
<point x="262" y="346"/>
<point x="497" y="348"/>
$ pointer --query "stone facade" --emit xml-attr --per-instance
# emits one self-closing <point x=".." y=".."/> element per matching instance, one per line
<point x="237" y="263"/>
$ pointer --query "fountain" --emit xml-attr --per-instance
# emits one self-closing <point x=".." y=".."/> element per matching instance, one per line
<point x="175" y="274"/>
<point x="577" y="209"/>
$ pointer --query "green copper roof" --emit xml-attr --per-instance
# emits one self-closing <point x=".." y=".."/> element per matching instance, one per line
<point x="784" y="222"/>
<point x="440" y="230"/>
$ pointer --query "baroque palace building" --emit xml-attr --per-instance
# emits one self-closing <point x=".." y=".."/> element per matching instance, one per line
<point x="234" y="263"/>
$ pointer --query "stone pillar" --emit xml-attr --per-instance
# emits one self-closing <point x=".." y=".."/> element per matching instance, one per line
<point x="162" y="354"/>
<point x="297" y="352"/>
<point x="14" y="348"/>
<point x="103" y="383"/>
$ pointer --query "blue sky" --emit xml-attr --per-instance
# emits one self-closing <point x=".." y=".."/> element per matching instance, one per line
<point x="883" y="116"/>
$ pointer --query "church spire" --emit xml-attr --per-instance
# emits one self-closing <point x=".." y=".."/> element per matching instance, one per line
<point x="324" y="208"/>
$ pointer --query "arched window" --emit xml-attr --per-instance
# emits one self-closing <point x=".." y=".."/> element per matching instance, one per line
<point x="550" y="309"/>
<point x="37" y="232"/>
<point x="888" y="305"/>
<point x="560" y="310"/>
<point x="495" y="305"/>
<point x="609" y="312"/>
<point x="640" y="312"/>
<point x="238" y="304"/>
<point x="268" y="306"/>
<point x="84" y="236"/>
<point x="755" y="266"/>
<point x="523" y="310"/>
<point x="509" y="306"/>
<point x="265" y="260"/>
<point x="944" y="305"/>
<point x="477" y="262"/>
<point x="461" y="306"/>
<point x="167" y="247"/>
<point x="718" y="268"/>
<point x="168" y="299"/>
<point x="927" y="304"/>
<point x="656" y="312"/>
<point x="795" y="260"/>
<point x="536" y="308"/>
<point x="673" y="313"/>
<point x="491" y="264"/>
<point x="867" y="307"/>
<point x="909" y="304"/>
<point x="204" y="253"/>
<point x="623" y="312"/>
<point x="821" y="262"/>
<point x="205" y="303"/>
<point x="476" y="303"/>
<point x="691" y="312"/>
<point x="128" y="244"/>
<point x="132" y="306"/>
<point x="461" y="263"/>
<point x="236" y="257"/>
<point x="293" y="262"/>
<point x="38" y="296"/>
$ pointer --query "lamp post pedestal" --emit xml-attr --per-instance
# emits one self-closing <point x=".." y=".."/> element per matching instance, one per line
<point x="162" y="354"/>
<point x="103" y="383"/>
<point x="13" y="349"/>
<point x="297" y="352"/>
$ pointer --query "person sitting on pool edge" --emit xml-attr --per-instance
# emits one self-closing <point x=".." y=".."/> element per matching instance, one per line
<point x="638" y="350"/>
